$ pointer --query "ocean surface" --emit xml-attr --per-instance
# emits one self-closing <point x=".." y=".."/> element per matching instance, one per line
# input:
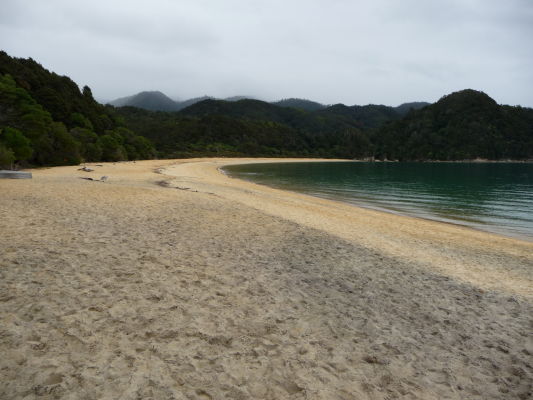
<point x="494" y="197"/>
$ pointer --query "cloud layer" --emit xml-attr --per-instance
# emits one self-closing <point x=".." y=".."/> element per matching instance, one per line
<point x="349" y="51"/>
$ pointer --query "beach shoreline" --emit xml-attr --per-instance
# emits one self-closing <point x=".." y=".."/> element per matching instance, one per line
<point x="389" y="231"/>
<point x="173" y="280"/>
<point x="366" y="205"/>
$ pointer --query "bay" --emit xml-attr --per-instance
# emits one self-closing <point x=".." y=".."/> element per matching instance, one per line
<point x="494" y="197"/>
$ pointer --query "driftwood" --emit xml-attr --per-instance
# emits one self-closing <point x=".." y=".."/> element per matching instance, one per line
<point x="86" y="169"/>
<point x="7" y="174"/>
<point x="102" y="179"/>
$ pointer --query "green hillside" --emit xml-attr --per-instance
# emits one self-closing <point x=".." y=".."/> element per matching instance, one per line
<point x="463" y="125"/>
<point x="45" y="119"/>
<point x="302" y="104"/>
<point x="227" y="134"/>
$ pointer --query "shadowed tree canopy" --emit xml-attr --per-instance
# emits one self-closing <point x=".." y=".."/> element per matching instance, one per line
<point x="46" y="120"/>
<point x="463" y="125"/>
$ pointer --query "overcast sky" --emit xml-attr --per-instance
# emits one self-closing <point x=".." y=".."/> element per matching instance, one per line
<point x="331" y="51"/>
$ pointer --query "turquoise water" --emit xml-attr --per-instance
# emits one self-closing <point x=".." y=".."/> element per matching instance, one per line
<point x="495" y="197"/>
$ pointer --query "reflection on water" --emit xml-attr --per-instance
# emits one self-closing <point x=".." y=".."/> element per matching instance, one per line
<point x="496" y="197"/>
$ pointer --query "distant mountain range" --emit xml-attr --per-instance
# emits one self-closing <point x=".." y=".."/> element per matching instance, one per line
<point x="45" y="119"/>
<point x="463" y="125"/>
<point x="158" y="101"/>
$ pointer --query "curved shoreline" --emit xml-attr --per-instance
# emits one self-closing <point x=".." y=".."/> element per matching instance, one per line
<point x="492" y="229"/>
<point x="426" y="242"/>
<point x="226" y="289"/>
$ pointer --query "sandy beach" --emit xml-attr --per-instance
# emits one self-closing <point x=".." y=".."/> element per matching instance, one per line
<point x="173" y="281"/>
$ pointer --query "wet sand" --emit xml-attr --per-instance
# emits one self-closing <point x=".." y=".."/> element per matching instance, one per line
<point x="173" y="281"/>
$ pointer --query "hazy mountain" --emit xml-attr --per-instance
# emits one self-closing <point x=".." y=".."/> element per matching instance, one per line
<point x="157" y="101"/>
<point x="302" y="104"/>
<point x="153" y="101"/>
<point x="186" y="103"/>
<point x="462" y="125"/>
<point x="237" y="98"/>
<point x="370" y="115"/>
<point x="404" y="108"/>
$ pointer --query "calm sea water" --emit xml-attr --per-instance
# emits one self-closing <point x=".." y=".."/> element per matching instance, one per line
<point x="495" y="197"/>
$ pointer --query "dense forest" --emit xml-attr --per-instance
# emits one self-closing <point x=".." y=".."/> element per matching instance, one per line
<point x="191" y="134"/>
<point x="460" y="126"/>
<point x="257" y="128"/>
<point x="45" y="119"/>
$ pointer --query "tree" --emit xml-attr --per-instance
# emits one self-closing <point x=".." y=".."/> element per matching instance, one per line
<point x="57" y="147"/>
<point x="112" y="149"/>
<point x="90" y="149"/>
<point x="87" y="93"/>
<point x="6" y="157"/>
<point x="80" y="121"/>
<point x="14" y="140"/>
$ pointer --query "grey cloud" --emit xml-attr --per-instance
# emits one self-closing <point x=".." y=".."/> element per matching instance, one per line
<point x="350" y="51"/>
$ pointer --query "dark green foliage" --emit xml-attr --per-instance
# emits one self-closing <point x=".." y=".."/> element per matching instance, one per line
<point x="178" y="135"/>
<point x="112" y="149"/>
<point x="137" y="147"/>
<point x="19" y="144"/>
<point x="90" y="147"/>
<point x="364" y="117"/>
<point x="7" y="157"/>
<point x="318" y="122"/>
<point x="404" y="108"/>
<point x="301" y="104"/>
<point x="46" y="120"/>
<point x="463" y="125"/>
<point x="61" y="124"/>
<point x="80" y="121"/>
<point x="56" y="147"/>
<point x="19" y="110"/>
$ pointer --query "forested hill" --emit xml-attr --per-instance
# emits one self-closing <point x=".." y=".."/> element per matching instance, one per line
<point x="326" y="119"/>
<point x="463" y="125"/>
<point x="218" y="134"/>
<point x="302" y="104"/>
<point x="157" y="101"/>
<point x="252" y="127"/>
<point x="45" y="119"/>
<point x="153" y="101"/>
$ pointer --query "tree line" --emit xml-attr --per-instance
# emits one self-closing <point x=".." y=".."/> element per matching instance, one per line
<point x="45" y="119"/>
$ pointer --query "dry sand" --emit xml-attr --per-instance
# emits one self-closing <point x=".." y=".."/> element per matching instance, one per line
<point x="132" y="289"/>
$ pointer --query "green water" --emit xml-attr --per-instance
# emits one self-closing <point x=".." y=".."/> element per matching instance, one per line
<point x="495" y="197"/>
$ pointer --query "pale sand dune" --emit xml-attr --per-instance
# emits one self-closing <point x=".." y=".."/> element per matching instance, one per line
<point x="131" y="289"/>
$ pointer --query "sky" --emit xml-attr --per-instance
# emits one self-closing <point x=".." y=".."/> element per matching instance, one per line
<point x="330" y="51"/>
